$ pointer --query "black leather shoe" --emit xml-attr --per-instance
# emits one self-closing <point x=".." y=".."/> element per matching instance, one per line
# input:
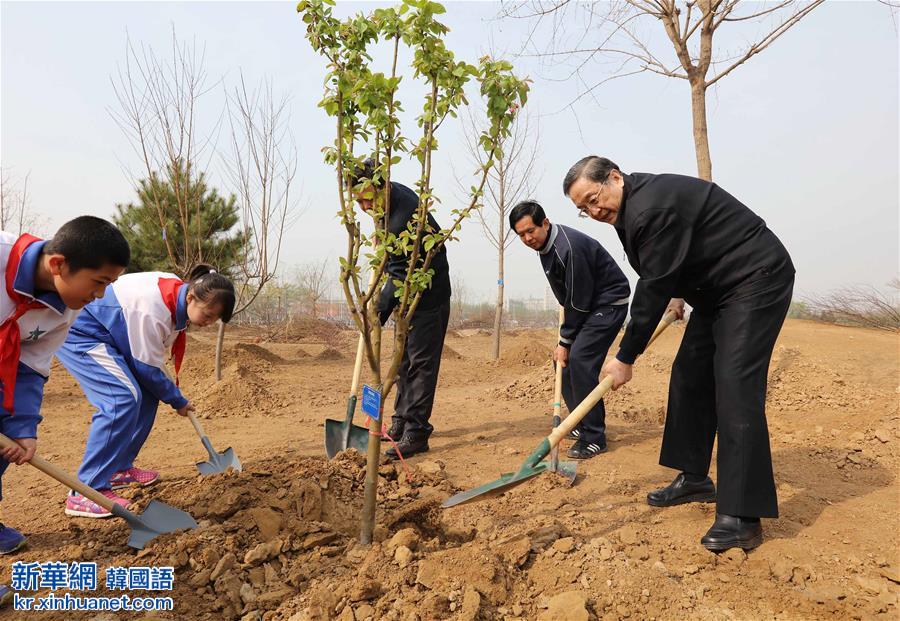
<point x="586" y="450"/>
<point x="396" y="429"/>
<point x="574" y="435"/>
<point x="408" y="446"/>
<point x="680" y="491"/>
<point x="729" y="531"/>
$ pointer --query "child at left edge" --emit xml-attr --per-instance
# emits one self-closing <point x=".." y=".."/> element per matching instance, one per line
<point x="46" y="283"/>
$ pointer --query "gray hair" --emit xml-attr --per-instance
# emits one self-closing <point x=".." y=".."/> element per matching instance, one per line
<point x="592" y="167"/>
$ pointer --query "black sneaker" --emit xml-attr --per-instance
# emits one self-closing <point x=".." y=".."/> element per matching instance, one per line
<point x="585" y="450"/>
<point x="408" y="446"/>
<point x="396" y="429"/>
<point x="574" y="435"/>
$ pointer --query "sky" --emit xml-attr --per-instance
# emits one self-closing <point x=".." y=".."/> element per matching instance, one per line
<point x="806" y="133"/>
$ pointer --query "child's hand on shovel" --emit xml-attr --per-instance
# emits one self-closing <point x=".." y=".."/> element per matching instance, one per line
<point x="22" y="453"/>
<point x="184" y="411"/>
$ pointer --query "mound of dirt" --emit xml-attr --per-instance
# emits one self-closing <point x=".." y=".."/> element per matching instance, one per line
<point x="449" y="353"/>
<point x="259" y="352"/>
<point x="799" y="383"/>
<point x="329" y="353"/>
<point x="530" y="353"/>
<point x="535" y="387"/>
<point x="310" y="329"/>
<point x="242" y="389"/>
<point x="280" y="538"/>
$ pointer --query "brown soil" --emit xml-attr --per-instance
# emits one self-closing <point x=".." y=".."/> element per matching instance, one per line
<point x="278" y="541"/>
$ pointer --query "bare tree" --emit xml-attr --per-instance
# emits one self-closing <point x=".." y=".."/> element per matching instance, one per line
<point x="511" y="180"/>
<point x="860" y="305"/>
<point x="314" y="281"/>
<point x="613" y="33"/>
<point x="159" y="103"/>
<point x="460" y="297"/>
<point x="16" y="214"/>
<point x="262" y="166"/>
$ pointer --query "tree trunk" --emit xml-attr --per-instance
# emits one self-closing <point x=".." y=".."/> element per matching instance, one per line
<point x="701" y="133"/>
<point x="220" y="340"/>
<point x="498" y="312"/>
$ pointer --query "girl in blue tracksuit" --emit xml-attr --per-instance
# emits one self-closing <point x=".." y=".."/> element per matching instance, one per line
<point x="116" y="349"/>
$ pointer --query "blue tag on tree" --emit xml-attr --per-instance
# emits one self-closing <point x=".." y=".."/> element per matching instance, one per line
<point x="371" y="402"/>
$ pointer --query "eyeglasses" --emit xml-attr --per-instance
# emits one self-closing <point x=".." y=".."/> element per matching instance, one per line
<point x="585" y="212"/>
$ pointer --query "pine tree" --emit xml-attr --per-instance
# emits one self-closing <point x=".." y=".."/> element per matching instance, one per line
<point x="178" y="222"/>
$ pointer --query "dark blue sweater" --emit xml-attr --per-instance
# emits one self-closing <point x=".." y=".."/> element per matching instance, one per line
<point x="404" y="203"/>
<point x="583" y="277"/>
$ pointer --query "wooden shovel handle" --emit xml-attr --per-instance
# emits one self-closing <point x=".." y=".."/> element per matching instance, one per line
<point x="575" y="416"/>
<point x="196" y="423"/>
<point x="360" y="350"/>
<point x="357" y="367"/>
<point x="557" y="387"/>
<point x="63" y="477"/>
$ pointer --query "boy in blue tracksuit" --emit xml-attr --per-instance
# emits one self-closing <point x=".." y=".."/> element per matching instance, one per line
<point x="116" y="350"/>
<point x="46" y="283"/>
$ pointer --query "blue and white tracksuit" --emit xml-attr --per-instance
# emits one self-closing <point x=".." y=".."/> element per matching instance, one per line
<point x="117" y="350"/>
<point x="42" y="330"/>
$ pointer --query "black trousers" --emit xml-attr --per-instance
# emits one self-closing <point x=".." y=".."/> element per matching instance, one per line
<point x="419" y="370"/>
<point x="719" y="383"/>
<point x="582" y="373"/>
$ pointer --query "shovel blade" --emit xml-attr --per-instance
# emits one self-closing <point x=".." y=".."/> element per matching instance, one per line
<point x="220" y="462"/>
<point x="157" y="519"/>
<point x="568" y="470"/>
<point x="337" y="439"/>
<point x="505" y="482"/>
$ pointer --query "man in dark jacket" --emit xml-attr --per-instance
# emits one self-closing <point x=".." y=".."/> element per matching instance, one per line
<point x="418" y="375"/>
<point x="593" y="292"/>
<point x="689" y="239"/>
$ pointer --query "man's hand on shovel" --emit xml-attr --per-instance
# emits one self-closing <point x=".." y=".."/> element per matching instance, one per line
<point x="618" y="371"/>
<point x="561" y="356"/>
<point x="184" y="411"/>
<point x="22" y="453"/>
<point x="676" y="306"/>
<point x="621" y="372"/>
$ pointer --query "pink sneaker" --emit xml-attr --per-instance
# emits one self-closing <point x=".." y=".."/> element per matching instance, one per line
<point x="133" y="475"/>
<point x="81" y="506"/>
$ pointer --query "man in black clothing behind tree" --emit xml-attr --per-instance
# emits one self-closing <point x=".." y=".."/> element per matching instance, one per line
<point x="688" y="238"/>
<point x="593" y="292"/>
<point x="418" y="375"/>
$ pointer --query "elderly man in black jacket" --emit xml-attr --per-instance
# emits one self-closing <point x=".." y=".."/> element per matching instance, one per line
<point x="688" y="238"/>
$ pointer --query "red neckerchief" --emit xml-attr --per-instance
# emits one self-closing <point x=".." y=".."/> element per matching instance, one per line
<point x="168" y="287"/>
<point x="10" y="338"/>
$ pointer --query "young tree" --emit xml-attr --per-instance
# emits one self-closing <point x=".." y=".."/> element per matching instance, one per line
<point x="460" y="300"/>
<point x="511" y="180"/>
<point x="212" y="215"/>
<point x="312" y="277"/>
<point x="614" y="32"/>
<point x="159" y="111"/>
<point x="365" y="108"/>
<point x="262" y="166"/>
<point x="159" y="102"/>
<point x="15" y="213"/>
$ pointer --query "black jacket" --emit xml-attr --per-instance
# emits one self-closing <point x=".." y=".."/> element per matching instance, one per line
<point x="404" y="203"/>
<point x="583" y="277"/>
<point x="688" y="238"/>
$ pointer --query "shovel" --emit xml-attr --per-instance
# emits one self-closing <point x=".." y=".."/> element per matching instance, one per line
<point x="533" y="465"/>
<point x="218" y="462"/>
<point x="566" y="469"/>
<point x="341" y="435"/>
<point x="158" y="518"/>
